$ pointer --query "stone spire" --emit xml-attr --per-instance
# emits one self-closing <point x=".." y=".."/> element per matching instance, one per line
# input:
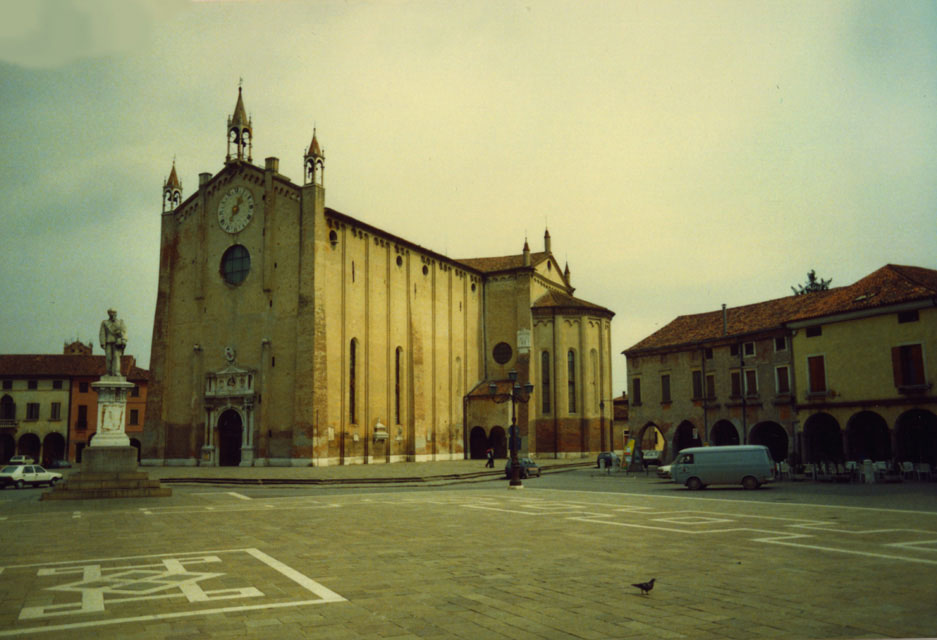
<point x="546" y="241"/>
<point x="240" y="133"/>
<point x="314" y="161"/>
<point x="172" y="190"/>
<point x="526" y="253"/>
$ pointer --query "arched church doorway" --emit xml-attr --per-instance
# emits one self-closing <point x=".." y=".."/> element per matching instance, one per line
<point x="498" y="441"/>
<point x="229" y="439"/>
<point x="867" y="437"/>
<point x="724" y="433"/>
<point x="685" y="436"/>
<point x="773" y="436"/>
<point x="823" y="440"/>
<point x="478" y="443"/>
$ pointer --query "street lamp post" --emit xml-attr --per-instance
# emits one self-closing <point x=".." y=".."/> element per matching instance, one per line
<point x="519" y="393"/>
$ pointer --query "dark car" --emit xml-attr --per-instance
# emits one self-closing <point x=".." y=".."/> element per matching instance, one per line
<point x="611" y="460"/>
<point x="59" y="464"/>
<point x="528" y="468"/>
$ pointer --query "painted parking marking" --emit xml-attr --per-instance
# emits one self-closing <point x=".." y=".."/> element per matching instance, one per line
<point x="61" y="596"/>
<point x="691" y="520"/>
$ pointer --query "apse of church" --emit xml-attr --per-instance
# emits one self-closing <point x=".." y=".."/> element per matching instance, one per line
<point x="288" y="333"/>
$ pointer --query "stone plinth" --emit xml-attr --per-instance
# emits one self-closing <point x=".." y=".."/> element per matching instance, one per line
<point x="91" y="486"/>
<point x="112" y="407"/>
<point x="97" y="459"/>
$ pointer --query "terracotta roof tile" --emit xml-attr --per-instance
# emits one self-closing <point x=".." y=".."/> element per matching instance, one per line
<point x="65" y="366"/>
<point x="503" y="263"/>
<point x="554" y="300"/>
<point x="892" y="284"/>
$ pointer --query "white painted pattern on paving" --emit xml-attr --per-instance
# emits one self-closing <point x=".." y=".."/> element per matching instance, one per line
<point x="702" y="522"/>
<point x="104" y="587"/>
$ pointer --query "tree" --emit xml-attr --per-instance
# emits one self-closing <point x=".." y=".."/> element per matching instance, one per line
<point x="812" y="285"/>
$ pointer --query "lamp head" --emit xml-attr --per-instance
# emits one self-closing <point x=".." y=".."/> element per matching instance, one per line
<point x="512" y="374"/>
<point x="492" y="388"/>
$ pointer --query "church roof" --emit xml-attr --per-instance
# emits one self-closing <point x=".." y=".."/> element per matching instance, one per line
<point x="892" y="284"/>
<point x="554" y="301"/>
<point x="503" y="263"/>
<point x="65" y="366"/>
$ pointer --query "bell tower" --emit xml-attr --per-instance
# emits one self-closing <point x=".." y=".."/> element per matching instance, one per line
<point x="240" y="133"/>
<point x="172" y="190"/>
<point x="314" y="161"/>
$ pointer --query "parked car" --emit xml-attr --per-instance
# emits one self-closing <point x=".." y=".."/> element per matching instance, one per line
<point x="651" y="456"/>
<point x="59" y="464"/>
<point x="20" y="475"/>
<point x="610" y="457"/>
<point x="528" y="468"/>
<point x="663" y="471"/>
<point x="21" y="460"/>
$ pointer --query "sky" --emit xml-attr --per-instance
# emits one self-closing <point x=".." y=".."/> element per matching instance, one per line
<point x="682" y="154"/>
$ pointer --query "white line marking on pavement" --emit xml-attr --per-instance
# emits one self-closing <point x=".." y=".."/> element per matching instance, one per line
<point x="324" y="595"/>
<point x="76" y="514"/>
<point x="238" y="495"/>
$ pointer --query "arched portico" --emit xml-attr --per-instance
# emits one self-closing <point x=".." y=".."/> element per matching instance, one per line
<point x="773" y="436"/>
<point x="724" y="433"/>
<point x="916" y="437"/>
<point x="686" y="435"/>
<point x="478" y="443"/>
<point x="867" y="437"/>
<point x="823" y="439"/>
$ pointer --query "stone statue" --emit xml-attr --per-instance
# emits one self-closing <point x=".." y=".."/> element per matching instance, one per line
<point x="113" y="337"/>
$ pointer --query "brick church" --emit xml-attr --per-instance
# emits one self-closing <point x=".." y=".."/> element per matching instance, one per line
<point x="288" y="333"/>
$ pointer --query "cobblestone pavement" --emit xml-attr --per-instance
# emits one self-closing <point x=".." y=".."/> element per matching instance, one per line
<point x="474" y="562"/>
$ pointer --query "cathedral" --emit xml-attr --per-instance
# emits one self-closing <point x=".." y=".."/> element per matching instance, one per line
<point x="288" y="333"/>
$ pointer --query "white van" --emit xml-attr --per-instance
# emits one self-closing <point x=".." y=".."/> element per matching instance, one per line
<point x="750" y="465"/>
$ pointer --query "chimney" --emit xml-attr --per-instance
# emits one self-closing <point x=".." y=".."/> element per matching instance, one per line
<point x="725" y="320"/>
<point x="272" y="164"/>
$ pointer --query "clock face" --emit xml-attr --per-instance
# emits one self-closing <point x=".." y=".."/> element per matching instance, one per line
<point x="236" y="209"/>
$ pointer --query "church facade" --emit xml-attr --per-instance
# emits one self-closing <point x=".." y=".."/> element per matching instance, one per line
<point x="288" y="333"/>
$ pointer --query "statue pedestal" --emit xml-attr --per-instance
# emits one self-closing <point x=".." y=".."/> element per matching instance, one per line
<point x="112" y="410"/>
<point x="109" y="463"/>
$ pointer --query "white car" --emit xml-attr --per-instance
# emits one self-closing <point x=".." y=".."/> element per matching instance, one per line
<point x="21" y="460"/>
<point x="20" y="475"/>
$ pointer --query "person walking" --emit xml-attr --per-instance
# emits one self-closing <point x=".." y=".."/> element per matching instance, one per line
<point x="490" y="454"/>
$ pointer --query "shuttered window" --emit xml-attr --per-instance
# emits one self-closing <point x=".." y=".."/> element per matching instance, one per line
<point x="816" y="370"/>
<point x="908" y="365"/>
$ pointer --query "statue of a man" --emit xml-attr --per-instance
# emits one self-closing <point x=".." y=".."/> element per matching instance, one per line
<point x="113" y="337"/>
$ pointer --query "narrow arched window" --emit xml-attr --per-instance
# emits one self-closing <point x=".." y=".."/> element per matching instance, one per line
<point x="352" y="354"/>
<point x="545" y="381"/>
<point x="398" y="354"/>
<point x="571" y="379"/>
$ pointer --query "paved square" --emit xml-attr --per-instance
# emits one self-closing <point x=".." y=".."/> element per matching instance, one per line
<point x="464" y="563"/>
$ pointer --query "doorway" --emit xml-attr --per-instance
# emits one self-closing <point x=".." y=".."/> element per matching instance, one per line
<point x="230" y="431"/>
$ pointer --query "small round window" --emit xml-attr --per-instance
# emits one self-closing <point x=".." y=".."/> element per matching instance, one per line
<point x="502" y="353"/>
<point x="235" y="264"/>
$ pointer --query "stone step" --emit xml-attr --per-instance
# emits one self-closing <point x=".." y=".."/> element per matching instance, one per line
<point x="101" y="493"/>
<point x="122" y="483"/>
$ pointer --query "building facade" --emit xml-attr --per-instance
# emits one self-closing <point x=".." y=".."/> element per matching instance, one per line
<point x="48" y="409"/>
<point x="833" y="375"/>
<point x="288" y="333"/>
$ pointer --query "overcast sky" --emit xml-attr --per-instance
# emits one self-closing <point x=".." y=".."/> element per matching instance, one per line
<point x="682" y="154"/>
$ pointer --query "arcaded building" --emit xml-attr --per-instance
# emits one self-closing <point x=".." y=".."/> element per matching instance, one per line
<point x="288" y="333"/>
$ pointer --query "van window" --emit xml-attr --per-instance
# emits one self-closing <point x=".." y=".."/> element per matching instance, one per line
<point x="686" y="458"/>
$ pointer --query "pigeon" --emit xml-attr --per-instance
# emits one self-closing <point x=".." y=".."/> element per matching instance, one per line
<point x="645" y="587"/>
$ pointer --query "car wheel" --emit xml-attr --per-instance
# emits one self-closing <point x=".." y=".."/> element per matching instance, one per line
<point x="750" y="482"/>
<point x="53" y="481"/>
<point x="694" y="484"/>
<point x="19" y="484"/>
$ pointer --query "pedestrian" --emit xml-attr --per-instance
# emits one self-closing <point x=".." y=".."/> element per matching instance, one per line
<point x="490" y="454"/>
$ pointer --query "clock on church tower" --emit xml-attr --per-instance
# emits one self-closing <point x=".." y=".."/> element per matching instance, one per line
<point x="236" y="209"/>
